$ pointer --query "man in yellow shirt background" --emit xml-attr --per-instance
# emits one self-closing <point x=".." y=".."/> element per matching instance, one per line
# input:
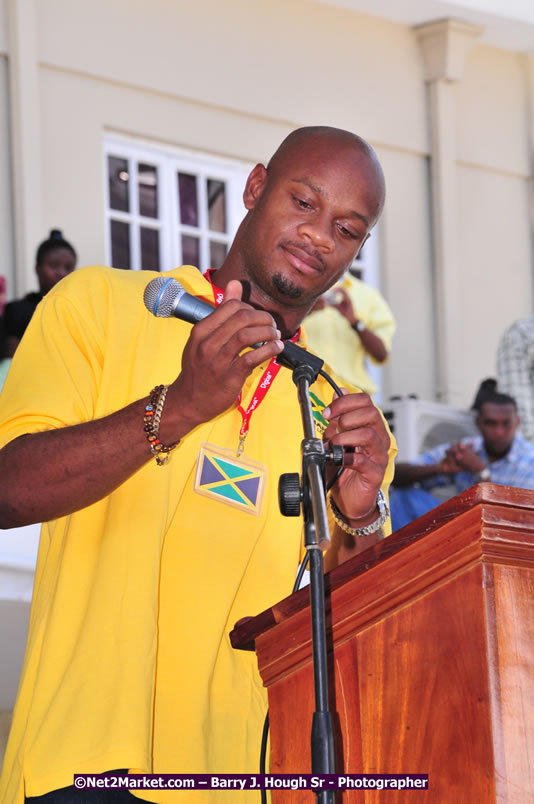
<point x="348" y="325"/>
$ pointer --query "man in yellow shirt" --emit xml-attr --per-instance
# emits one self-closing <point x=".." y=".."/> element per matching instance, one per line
<point x="157" y="538"/>
<point x="350" y="324"/>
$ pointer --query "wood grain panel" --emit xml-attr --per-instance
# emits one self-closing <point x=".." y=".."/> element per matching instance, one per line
<point x="513" y="670"/>
<point x="425" y="695"/>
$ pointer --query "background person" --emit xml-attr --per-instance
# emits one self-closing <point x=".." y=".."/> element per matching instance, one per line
<point x="349" y="324"/>
<point x="515" y="370"/>
<point x="498" y="455"/>
<point x="157" y="539"/>
<point x="55" y="259"/>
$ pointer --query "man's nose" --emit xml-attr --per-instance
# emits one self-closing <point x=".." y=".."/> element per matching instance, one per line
<point x="318" y="231"/>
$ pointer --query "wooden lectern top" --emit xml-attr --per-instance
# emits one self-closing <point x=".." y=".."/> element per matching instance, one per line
<point x="506" y="517"/>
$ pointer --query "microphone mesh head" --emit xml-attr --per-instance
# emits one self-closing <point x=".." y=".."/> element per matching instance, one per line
<point x="161" y="294"/>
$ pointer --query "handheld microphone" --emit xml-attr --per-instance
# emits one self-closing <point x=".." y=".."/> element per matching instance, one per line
<point x="165" y="297"/>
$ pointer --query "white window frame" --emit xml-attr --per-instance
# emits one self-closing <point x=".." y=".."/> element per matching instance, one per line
<point x="367" y="261"/>
<point x="168" y="161"/>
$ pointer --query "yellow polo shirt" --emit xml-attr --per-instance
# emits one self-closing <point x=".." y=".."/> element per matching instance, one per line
<point x="128" y="662"/>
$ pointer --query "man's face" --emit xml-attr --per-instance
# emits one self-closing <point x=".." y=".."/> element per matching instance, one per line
<point x="498" y="425"/>
<point x="307" y="220"/>
<point x="55" y="264"/>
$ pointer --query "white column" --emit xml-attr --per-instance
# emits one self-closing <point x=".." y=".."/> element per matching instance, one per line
<point x="444" y="46"/>
<point x="25" y="139"/>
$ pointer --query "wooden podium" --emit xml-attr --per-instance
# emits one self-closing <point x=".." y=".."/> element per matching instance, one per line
<point x="431" y="658"/>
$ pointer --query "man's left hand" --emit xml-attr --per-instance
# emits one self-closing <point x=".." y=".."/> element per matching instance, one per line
<point x="356" y="424"/>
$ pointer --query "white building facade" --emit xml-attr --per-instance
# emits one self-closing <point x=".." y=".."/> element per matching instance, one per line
<point x="131" y="127"/>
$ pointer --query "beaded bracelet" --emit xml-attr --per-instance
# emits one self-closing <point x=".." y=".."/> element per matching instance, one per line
<point x="153" y="411"/>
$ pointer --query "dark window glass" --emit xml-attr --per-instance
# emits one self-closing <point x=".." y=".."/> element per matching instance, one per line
<point x="120" y="244"/>
<point x="118" y="183"/>
<point x="187" y="191"/>
<point x="216" y="205"/>
<point x="217" y="254"/>
<point x="149" y="249"/>
<point x="147" y="178"/>
<point x="190" y="250"/>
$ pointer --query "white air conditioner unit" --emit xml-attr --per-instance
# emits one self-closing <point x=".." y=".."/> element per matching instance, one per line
<point x="419" y="425"/>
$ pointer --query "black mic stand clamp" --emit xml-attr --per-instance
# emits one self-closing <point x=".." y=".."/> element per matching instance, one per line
<point x="311" y="494"/>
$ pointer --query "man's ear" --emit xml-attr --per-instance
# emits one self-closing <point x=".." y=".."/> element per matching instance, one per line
<point x="255" y="186"/>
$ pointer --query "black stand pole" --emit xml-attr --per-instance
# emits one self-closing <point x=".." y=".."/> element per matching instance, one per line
<point x="312" y="494"/>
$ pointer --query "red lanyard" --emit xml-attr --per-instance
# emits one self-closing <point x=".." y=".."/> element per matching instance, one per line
<point x="266" y="379"/>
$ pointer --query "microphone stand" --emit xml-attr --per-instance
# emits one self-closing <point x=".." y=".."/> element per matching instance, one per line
<point x="312" y="494"/>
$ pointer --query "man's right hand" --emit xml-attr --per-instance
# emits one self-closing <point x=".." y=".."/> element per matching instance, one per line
<point x="216" y="363"/>
<point x="461" y="458"/>
<point x="449" y="464"/>
<point x="345" y="306"/>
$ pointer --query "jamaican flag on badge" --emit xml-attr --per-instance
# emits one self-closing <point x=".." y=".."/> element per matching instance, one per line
<point x="227" y="478"/>
<point x="317" y="409"/>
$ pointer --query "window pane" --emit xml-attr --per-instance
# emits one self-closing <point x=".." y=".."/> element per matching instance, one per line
<point x="148" y="190"/>
<point x="120" y="244"/>
<point x="216" y="205"/>
<point x="118" y="179"/>
<point x="187" y="191"/>
<point x="361" y="253"/>
<point x="190" y="250"/>
<point x="217" y="254"/>
<point x="149" y="249"/>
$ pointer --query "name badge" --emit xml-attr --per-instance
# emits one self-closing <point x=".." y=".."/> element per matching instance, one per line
<point x="232" y="480"/>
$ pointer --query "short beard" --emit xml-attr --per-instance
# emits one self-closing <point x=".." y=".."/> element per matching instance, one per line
<point x="286" y="288"/>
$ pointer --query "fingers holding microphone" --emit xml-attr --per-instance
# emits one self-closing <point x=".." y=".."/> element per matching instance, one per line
<point x="165" y="297"/>
<point x="246" y="327"/>
<point x="217" y="359"/>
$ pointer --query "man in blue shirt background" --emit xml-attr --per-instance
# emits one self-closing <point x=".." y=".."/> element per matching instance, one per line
<point x="499" y="455"/>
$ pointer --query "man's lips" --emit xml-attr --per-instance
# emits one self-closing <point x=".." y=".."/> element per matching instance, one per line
<point x="302" y="260"/>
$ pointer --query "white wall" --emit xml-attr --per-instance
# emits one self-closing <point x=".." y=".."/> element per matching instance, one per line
<point x="292" y="62"/>
<point x="407" y="274"/>
<point x="493" y="220"/>
<point x="7" y="247"/>
<point x="3" y="27"/>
